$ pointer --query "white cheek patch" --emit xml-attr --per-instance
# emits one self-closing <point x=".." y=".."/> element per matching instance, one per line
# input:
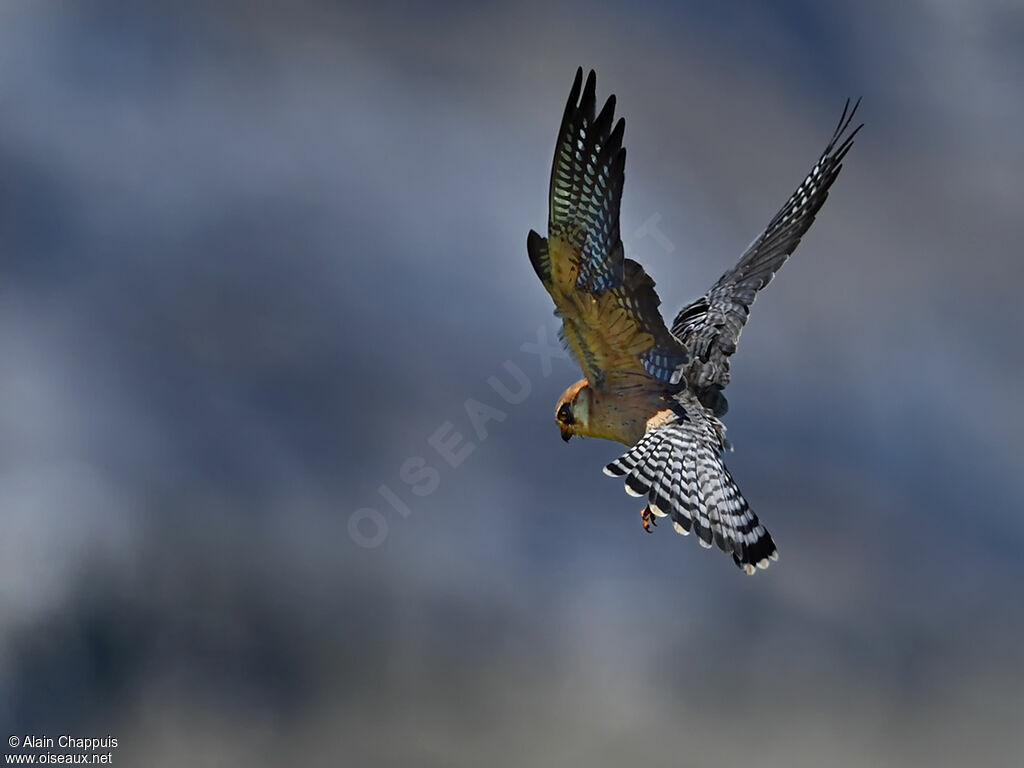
<point x="581" y="410"/>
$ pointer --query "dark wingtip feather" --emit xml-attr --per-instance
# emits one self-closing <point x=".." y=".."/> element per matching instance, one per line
<point x="589" y="101"/>
<point x="604" y="120"/>
<point x="573" y="100"/>
<point x="614" y="142"/>
<point x="577" y="84"/>
<point x="537" y="249"/>
<point x="844" y="123"/>
<point x="845" y="118"/>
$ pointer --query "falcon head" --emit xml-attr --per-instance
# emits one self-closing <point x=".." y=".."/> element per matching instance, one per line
<point x="573" y="411"/>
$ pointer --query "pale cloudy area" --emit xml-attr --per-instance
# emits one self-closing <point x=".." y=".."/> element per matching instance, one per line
<point x="255" y="256"/>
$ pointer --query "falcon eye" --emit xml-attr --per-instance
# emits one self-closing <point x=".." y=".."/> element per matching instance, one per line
<point x="565" y="414"/>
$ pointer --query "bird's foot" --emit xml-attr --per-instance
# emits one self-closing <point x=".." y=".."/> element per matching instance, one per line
<point x="647" y="519"/>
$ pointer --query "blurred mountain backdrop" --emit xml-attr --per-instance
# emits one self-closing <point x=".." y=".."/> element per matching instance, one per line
<point x="256" y="259"/>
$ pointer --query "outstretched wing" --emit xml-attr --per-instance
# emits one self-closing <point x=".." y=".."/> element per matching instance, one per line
<point x="607" y="303"/>
<point x="678" y="466"/>
<point x="710" y="327"/>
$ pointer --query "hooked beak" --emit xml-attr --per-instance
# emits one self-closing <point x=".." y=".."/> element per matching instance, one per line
<point x="566" y="435"/>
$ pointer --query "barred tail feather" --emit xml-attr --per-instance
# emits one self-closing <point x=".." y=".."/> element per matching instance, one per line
<point x="701" y="519"/>
<point x="681" y="472"/>
<point x="622" y="465"/>
<point x="640" y="477"/>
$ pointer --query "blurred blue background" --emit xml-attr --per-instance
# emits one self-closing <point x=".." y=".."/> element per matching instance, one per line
<point x="255" y="255"/>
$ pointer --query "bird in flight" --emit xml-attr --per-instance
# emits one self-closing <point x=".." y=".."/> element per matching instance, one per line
<point x="654" y="387"/>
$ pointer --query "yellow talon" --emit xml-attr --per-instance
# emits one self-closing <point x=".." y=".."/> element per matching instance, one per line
<point x="647" y="519"/>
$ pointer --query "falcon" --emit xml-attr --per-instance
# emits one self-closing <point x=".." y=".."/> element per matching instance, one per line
<point x="656" y="388"/>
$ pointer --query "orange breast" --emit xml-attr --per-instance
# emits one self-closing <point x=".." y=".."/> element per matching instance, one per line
<point x="624" y="416"/>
